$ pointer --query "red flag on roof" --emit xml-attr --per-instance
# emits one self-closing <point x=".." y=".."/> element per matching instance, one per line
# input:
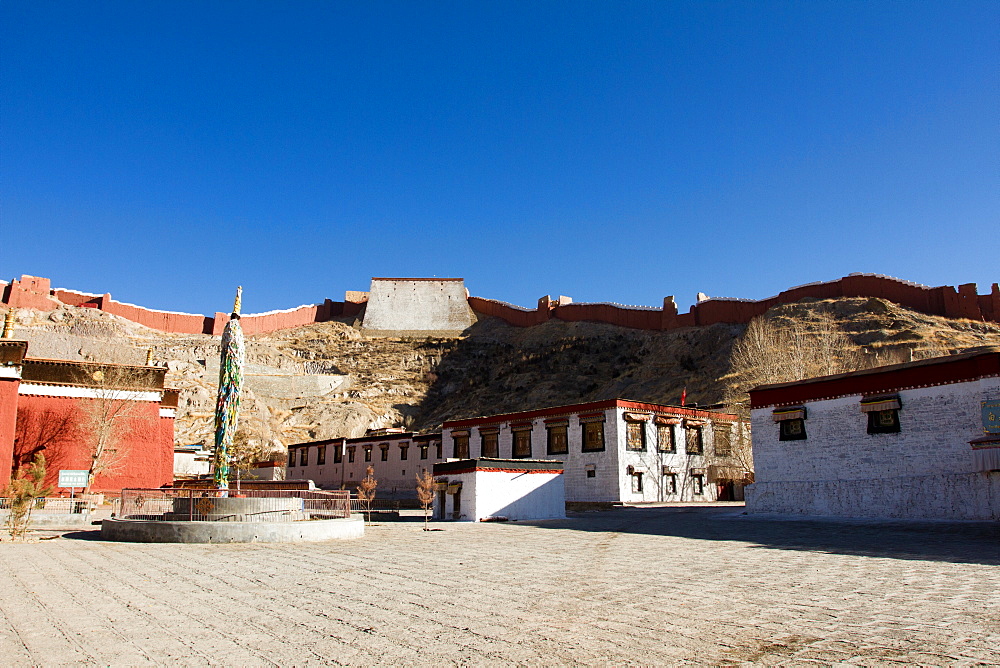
<point x="684" y="394"/>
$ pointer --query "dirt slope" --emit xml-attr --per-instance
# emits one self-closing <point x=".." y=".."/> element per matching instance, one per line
<point x="327" y="380"/>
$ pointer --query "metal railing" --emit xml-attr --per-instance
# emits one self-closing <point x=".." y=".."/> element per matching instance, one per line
<point x="54" y="506"/>
<point x="214" y="505"/>
<point x="377" y="505"/>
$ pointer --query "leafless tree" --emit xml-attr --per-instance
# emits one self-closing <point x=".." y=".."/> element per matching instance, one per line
<point x="780" y="351"/>
<point x="425" y="493"/>
<point x="247" y="451"/>
<point x="366" y="490"/>
<point x="24" y="489"/>
<point x="114" y="414"/>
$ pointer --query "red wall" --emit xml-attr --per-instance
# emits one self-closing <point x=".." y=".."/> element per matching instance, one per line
<point x="149" y="443"/>
<point x="963" y="302"/>
<point x="8" y="419"/>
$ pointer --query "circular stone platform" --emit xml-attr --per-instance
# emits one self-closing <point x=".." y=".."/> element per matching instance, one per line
<point x="158" y="531"/>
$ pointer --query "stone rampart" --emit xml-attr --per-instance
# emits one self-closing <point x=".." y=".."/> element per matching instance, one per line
<point x="414" y="306"/>
<point x="417" y="305"/>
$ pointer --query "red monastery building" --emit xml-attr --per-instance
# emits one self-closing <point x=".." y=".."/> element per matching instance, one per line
<point x="54" y="407"/>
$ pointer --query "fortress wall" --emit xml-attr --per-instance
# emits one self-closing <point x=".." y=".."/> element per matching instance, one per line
<point x="417" y="305"/>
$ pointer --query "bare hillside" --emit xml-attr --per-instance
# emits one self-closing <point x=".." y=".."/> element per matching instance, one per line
<point x="327" y="380"/>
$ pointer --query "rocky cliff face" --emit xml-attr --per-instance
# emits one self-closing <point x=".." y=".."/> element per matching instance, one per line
<point x="327" y="380"/>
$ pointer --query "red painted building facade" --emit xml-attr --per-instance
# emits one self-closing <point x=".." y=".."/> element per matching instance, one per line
<point x="51" y="406"/>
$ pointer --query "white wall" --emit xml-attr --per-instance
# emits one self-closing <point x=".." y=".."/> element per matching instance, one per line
<point x="516" y="496"/>
<point x="924" y="471"/>
<point x="417" y="305"/>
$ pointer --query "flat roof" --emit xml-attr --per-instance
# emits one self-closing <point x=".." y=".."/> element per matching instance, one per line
<point x="602" y="405"/>
<point x="972" y="365"/>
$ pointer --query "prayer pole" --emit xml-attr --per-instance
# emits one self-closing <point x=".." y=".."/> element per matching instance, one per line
<point x="227" y="408"/>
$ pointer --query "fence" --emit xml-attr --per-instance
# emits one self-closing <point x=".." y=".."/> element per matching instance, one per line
<point x="214" y="505"/>
<point x="54" y="506"/>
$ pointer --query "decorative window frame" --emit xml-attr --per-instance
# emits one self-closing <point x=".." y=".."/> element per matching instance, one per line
<point x="592" y="419"/>
<point x="517" y="432"/>
<point x="552" y="427"/>
<point x="791" y="423"/>
<point x="883" y="414"/>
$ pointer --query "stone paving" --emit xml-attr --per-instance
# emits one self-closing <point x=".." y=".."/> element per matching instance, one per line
<point x="701" y="585"/>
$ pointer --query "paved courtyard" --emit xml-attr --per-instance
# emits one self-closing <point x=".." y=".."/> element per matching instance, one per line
<point x="628" y="586"/>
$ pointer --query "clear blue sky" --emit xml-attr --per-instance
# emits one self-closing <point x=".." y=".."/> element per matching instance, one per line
<point x="610" y="151"/>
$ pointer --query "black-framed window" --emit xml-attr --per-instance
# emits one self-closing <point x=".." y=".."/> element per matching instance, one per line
<point x="792" y="430"/>
<point x="461" y="447"/>
<point x="669" y="483"/>
<point x="403" y="449"/>
<point x="438" y="446"/>
<point x="591" y="473"/>
<point x="593" y="436"/>
<point x="303" y="456"/>
<point x="385" y="451"/>
<point x="721" y="437"/>
<point x="321" y="455"/>
<point x="489" y="443"/>
<point x="350" y="454"/>
<point x="637" y="483"/>
<point x="635" y="436"/>
<point x="693" y="444"/>
<point x="698" y="480"/>
<point x="883" y="422"/>
<point x="521" y="444"/>
<point x="557" y="440"/>
<point x="666" y="439"/>
<point x="423" y="451"/>
<point x="368" y="453"/>
<point x="293" y="455"/>
<point x="338" y="454"/>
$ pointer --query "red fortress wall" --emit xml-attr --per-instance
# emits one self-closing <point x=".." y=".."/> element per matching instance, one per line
<point x="948" y="301"/>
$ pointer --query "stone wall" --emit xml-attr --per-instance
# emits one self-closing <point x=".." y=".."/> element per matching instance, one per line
<point x="924" y="471"/>
<point x="417" y="305"/>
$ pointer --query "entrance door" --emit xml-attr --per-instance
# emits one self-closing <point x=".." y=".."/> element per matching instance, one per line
<point x="457" y="512"/>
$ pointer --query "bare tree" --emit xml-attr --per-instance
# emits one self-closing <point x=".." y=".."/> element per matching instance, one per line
<point x="366" y="490"/>
<point x="114" y="414"/>
<point x="780" y="351"/>
<point x="247" y="451"/>
<point x="425" y="493"/>
<point x="24" y="489"/>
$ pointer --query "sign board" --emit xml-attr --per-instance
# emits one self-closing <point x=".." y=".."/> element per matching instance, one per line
<point x="73" y="478"/>
<point x="991" y="416"/>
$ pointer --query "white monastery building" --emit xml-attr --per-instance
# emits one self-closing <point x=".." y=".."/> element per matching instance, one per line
<point x="914" y="440"/>
<point x="500" y="489"/>
<point x="613" y="451"/>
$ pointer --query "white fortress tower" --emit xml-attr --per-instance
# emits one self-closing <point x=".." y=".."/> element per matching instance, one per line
<point x="417" y="306"/>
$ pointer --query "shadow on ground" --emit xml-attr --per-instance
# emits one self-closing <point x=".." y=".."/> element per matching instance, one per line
<point x="959" y="542"/>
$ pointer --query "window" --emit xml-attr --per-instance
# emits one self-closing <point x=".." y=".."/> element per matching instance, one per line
<point x="883" y="422"/>
<point x="521" y="448"/>
<point x="669" y="482"/>
<point x="403" y="447"/>
<point x="635" y="435"/>
<point x="556" y="440"/>
<point x="489" y="445"/>
<point x="792" y="430"/>
<point x="883" y="414"/>
<point x="423" y="452"/>
<point x="368" y="453"/>
<point x="666" y="441"/>
<point x="593" y="436"/>
<point x="637" y="483"/>
<point x="722" y="444"/>
<point x="303" y="456"/>
<point x="292" y="457"/>
<point x="321" y="455"/>
<point x="437" y="444"/>
<point x="338" y="454"/>
<point x="350" y="454"/>
<point x="692" y="442"/>
<point x="591" y="473"/>
<point x="461" y="447"/>
<point x="699" y="483"/>
<point x="384" y="447"/>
